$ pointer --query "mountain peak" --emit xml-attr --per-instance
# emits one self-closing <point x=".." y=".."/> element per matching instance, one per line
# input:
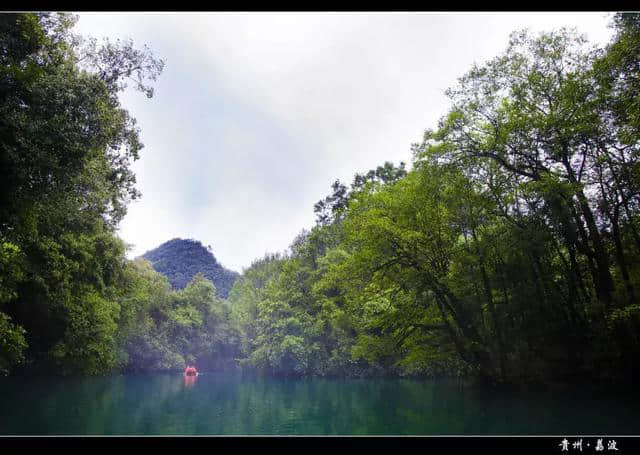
<point x="181" y="259"/>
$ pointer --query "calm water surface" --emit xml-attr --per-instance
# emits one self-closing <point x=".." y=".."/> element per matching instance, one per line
<point x="230" y="403"/>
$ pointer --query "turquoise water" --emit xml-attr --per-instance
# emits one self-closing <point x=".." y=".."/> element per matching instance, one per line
<point x="224" y="403"/>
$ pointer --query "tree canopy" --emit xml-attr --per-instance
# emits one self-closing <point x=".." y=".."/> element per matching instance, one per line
<point x="509" y="251"/>
<point x="66" y="146"/>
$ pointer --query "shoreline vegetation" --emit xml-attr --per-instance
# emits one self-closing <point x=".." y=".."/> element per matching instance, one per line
<point x="507" y="252"/>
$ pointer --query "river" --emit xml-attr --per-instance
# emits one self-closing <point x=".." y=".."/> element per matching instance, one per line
<point x="236" y="404"/>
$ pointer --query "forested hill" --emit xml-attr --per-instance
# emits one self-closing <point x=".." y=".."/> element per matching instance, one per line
<point x="180" y="260"/>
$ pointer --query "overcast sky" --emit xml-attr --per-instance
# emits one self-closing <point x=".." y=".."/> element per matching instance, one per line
<point x="256" y="114"/>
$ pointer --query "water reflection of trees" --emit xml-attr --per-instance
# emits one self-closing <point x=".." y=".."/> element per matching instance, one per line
<point x="235" y="404"/>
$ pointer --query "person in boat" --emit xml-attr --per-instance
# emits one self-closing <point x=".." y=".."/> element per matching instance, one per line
<point x="190" y="371"/>
<point x="190" y="377"/>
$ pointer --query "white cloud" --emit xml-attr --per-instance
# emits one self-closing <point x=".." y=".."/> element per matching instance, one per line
<point x="256" y="114"/>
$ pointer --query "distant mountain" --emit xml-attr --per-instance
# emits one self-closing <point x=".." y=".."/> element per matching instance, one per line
<point x="180" y="260"/>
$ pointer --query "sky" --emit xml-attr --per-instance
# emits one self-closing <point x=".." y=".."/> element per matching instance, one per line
<point x="256" y="114"/>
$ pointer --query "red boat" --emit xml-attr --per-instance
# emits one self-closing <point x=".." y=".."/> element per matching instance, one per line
<point x="190" y="371"/>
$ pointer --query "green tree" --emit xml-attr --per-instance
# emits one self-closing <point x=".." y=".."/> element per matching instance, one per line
<point x="66" y="146"/>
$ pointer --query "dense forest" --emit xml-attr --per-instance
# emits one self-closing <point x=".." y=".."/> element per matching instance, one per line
<point x="180" y="260"/>
<point x="509" y="251"/>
